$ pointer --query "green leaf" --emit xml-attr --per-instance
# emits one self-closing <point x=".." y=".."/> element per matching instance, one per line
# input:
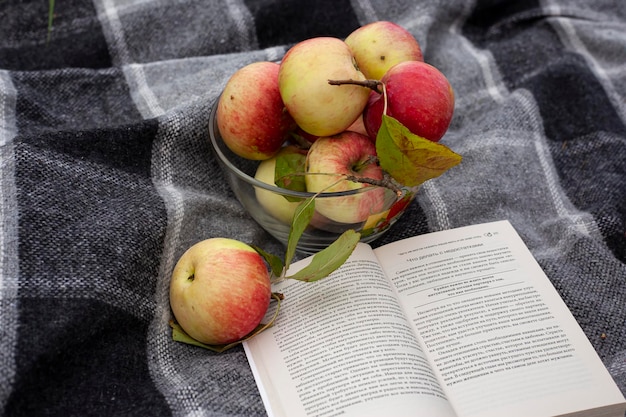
<point x="411" y="159"/>
<point x="329" y="259"/>
<point x="179" y="335"/>
<point x="275" y="263"/>
<point x="289" y="169"/>
<point x="301" y="219"/>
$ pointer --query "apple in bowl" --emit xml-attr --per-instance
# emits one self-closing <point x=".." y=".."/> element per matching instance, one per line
<point x="338" y="163"/>
<point x="380" y="45"/>
<point x="273" y="201"/>
<point x="319" y="108"/>
<point x="426" y="108"/>
<point x="250" y="96"/>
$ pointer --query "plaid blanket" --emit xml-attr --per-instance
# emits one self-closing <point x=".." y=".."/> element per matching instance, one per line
<point x="107" y="176"/>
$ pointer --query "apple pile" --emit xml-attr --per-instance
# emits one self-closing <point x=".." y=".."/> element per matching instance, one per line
<point x="333" y="115"/>
<point x="356" y="110"/>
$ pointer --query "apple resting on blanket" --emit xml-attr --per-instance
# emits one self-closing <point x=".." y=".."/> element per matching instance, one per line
<point x="418" y="95"/>
<point x="319" y="108"/>
<point x="329" y="161"/>
<point x="251" y="116"/>
<point x="220" y="290"/>
<point x="378" y="46"/>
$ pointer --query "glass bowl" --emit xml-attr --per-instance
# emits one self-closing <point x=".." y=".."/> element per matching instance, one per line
<point x="267" y="205"/>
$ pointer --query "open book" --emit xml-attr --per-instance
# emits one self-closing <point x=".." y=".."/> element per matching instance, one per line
<point x="455" y="323"/>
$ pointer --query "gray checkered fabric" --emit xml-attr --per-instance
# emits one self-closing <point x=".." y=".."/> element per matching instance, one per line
<point x="106" y="175"/>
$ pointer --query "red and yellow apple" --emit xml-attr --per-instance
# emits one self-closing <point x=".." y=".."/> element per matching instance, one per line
<point x="319" y="108"/>
<point x="378" y="46"/>
<point x="219" y="290"/>
<point x="329" y="161"/>
<point x="358" y="126"/>
<point x="251" y="116"/>
<point x="418" y="95"/>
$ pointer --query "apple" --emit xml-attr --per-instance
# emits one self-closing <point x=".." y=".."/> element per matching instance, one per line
<point x="378" y="46"/>
<point x="418" y="95"/>
<point x="319" y="108"/>
<point x="251" y="116"/>
<point x="358" y="126"/>
<point x="306" y="138"/>
<point x="329" y="161"/>
<point x="219" y="290"/>
<point x="274" y="203"/>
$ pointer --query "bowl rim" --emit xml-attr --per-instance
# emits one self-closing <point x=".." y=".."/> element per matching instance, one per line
<point x="215" y="136"/>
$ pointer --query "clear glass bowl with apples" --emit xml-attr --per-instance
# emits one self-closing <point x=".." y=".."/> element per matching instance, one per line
<point x="269" y="206"/>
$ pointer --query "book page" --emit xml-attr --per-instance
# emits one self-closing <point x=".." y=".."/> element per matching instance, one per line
<point x="498" y="334"/>
<point x="341" y="346"/>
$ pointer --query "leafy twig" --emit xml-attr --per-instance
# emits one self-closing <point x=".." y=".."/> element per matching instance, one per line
<point x="50" y="19"/>
<point x="387" y="182"/>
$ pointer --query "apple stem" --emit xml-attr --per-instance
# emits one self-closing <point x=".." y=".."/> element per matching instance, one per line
<point x="371" y="159"/>
<point x="300" y="141"/>
<point x="371" y="84"/>
<point x="384" y="93"/>
<point x="387" y="181"/>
